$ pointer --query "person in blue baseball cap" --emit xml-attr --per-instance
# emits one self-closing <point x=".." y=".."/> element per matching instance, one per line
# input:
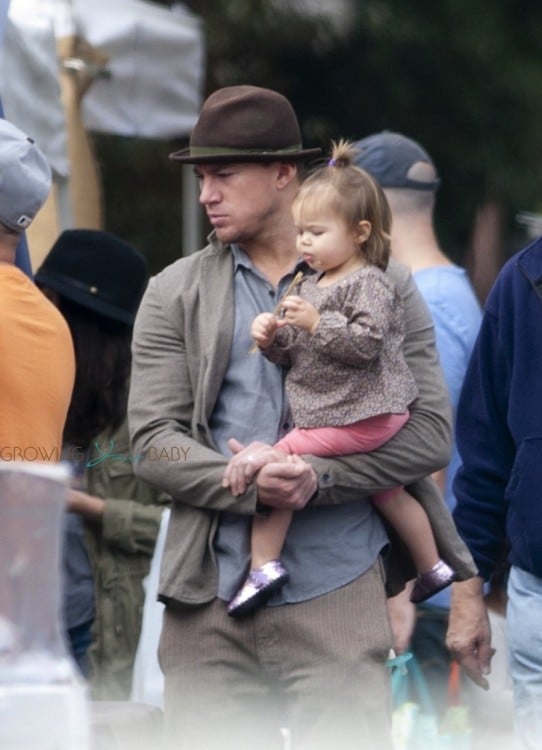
<point x="25" y="178"/>
<point x="37" y="373"/>
<point x="396" y="161"/>
<point x="410" y="180"/>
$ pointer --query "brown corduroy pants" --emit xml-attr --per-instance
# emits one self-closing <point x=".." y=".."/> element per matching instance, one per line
<point x="317" y="667"/>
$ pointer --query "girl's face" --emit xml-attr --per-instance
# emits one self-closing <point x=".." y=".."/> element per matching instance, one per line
<point x="325" y="241"/>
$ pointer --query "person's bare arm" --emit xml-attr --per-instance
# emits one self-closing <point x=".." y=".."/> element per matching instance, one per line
<point x="402" y="614"/>
<point x="469" y="632"/>
<point x="88" y="506"/>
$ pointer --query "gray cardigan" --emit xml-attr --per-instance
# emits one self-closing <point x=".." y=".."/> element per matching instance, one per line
<point x="181" y="344"/>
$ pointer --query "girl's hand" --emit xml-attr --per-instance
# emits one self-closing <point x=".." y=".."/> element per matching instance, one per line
<point x="263" y="329"/>
<point x="300" y="313"/>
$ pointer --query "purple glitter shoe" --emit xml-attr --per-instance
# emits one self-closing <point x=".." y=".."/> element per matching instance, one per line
<point x="434" y="580"/>
<point x="257" y="588"/>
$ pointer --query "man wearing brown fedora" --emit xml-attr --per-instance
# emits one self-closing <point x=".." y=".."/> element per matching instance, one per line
<point x="314" y="658"/>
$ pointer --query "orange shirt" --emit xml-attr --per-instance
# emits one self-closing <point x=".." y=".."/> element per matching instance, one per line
<point x="37" y="370"/>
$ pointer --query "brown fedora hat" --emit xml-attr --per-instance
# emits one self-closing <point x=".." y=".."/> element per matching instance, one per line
<point x="245" y="123"/>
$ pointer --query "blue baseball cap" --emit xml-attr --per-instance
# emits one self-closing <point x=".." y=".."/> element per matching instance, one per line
<point x="389" y="157"/>
<point x="25" y="178"/>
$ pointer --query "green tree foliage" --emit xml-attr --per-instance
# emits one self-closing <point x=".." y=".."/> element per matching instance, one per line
<point x="463" y="78"/>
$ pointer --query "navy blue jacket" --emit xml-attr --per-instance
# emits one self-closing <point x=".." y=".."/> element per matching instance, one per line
<point x="499" y="423"/>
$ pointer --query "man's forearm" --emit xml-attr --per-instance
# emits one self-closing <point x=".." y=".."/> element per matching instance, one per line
<point x="420" y="448"/>
<point x="469" y="633"/>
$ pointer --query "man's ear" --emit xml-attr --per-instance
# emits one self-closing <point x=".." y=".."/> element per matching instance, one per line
<point x="287" y="172"/>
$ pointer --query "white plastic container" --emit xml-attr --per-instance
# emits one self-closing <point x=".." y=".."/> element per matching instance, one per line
<point x="44" y="703"/>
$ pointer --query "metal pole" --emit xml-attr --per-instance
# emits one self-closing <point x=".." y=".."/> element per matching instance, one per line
<point x="192" y="213"/>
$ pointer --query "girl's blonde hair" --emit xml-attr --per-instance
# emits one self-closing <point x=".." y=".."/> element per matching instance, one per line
<point x="355" y="196"/>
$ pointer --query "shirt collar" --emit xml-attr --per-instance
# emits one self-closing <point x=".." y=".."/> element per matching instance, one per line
<point x="241" y="259"/>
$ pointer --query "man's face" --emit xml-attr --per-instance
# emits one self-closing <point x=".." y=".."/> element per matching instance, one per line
<point x="241" y="200"/>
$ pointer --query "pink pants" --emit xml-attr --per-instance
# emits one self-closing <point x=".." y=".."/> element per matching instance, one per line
<point x="360" y="437"/>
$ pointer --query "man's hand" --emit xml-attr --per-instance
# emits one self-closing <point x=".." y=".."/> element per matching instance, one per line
<point x="246" y="462"/>
<point x="469" y="633"/>
<point x="402" y="614"/>
<point x="289" y="484"/>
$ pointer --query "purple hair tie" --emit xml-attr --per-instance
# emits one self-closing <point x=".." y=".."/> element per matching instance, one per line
<point x="332" y="163"/>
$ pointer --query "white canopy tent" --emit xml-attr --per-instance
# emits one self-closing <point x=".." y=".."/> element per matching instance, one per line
<point x="124" y="67"/>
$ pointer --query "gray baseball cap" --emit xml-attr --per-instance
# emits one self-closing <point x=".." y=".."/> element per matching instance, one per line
<point x="389" y="157"/>
<point x="25" y="178"/>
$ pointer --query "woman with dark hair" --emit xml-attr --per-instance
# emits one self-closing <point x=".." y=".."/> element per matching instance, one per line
<point x="96" y="280"/>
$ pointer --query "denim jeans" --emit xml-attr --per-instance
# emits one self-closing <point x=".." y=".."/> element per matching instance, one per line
<point x="524" y="622"/>
<point x="79" y="639"/>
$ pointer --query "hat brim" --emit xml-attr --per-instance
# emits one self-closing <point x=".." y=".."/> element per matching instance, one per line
<point x="82" y="296"/>
<point x="186" y="156"/>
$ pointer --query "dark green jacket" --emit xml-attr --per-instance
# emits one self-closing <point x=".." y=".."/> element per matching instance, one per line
<point x="120" y="550"/>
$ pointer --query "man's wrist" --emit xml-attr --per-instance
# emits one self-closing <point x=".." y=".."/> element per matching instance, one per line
<point x="470" y="588"/>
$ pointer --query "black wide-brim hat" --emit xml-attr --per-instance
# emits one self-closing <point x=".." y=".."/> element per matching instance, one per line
<point x="242" y="124"/>
<point x="97" y="270"/>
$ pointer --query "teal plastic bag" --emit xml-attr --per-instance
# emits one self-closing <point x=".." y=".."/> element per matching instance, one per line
<point x="454" y="730"/>
<point x="414" y="722"/>
<point x="415" y="725"/>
